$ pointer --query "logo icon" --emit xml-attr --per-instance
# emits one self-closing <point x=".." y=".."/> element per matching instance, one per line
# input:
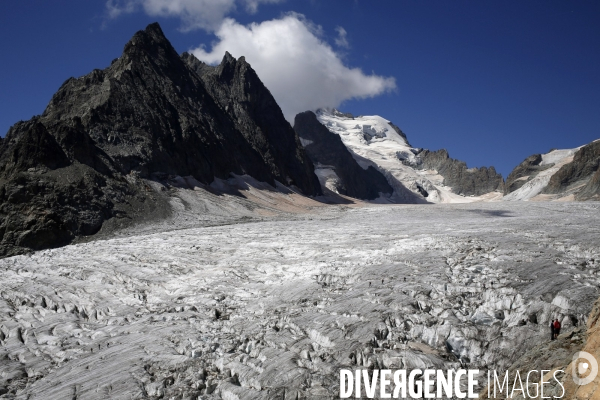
<point x="584" y="363"/>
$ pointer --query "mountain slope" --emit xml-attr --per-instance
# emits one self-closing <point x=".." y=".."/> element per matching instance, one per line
<point x="523" y="172"/>
<point x="147" y="116"/>
<point x="570" y="174"/>
<point x="335" y="165"/>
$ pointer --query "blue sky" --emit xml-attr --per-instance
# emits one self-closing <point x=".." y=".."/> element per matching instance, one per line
<point x="492" y="82"/>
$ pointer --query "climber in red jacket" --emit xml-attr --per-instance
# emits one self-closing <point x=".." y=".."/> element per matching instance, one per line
<point x="556" y="328"/>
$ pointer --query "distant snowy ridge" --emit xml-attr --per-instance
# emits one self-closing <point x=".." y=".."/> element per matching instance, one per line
<point x="419" y="175"/>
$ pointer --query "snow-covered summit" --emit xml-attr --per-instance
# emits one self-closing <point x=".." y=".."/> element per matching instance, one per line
<point x="375" y="141"/>
<point x="371" y="127"/>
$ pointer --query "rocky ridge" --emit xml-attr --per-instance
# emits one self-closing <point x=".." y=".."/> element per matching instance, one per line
<point x="524" y="172"/>
<point x="433" y="176"/>
<point x="237" y="89"/>
<point x="148" y="116"/>
<point x="464" y="181"/>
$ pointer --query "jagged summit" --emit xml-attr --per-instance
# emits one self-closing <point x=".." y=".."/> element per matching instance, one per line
<point x="229" y="59"/>
<point x="237" y="89"/>
<point x="149" y="46"/>
<point x="151" y="37"/>
<point x="149" y="114"/>
<point x="155" y="31"/>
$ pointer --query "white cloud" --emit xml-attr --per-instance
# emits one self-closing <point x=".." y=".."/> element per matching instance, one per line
<point x="299" y="68"/>
<point x="116" y="8"/>
<point x="194" y="14"/>
<point x="342" y="39"/>
<point x="252" y="5"/>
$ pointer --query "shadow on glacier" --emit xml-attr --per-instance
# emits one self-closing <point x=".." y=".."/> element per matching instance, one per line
<point x="494" y="213"/>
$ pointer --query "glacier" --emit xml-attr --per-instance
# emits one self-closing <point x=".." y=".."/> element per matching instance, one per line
<point x="264" y="305"/>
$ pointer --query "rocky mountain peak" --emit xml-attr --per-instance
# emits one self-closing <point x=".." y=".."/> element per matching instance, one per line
<point x="232" y="70"/>
<point x="226" y="70"/>
<point x="150" y="49"/>
<point x="150" y="113"/>
<point x="228" y="58"/>
<point x="567" y="174"/>
<point x="150" y="38"/>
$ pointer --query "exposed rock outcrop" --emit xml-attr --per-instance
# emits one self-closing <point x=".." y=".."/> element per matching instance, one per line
<point x="591" y="346"/>
<point x="571" y="174"/>
<point x="48" y="197"/>
<point x="83" y="161"/>
<point x="581" y="173"/>
<point x="591" y="191"/>
<point x="557" y="359"/>
<point x="462" y="180"/>
<point x="524" y="172"/>
<point x="327" y="150"/>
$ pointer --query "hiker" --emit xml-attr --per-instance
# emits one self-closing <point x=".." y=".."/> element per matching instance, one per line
<point x="382" y="281"/>
<point x="369" y="283"/>
<point x="552" y="329"/>
<point x="404" y="279"/>
<point x="556" y="328"/>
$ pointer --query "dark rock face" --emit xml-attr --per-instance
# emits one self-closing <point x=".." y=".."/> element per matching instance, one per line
<point x="328" y="149"/>
<point x="591" y="191"/>
<point x="524" y="172"/>
<point x="237" y="89"/>
<point x="65" y="173"/>
<point x="462" y="180"/>
<point x="582" y="171"/>
<point x="35" y="147"/>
